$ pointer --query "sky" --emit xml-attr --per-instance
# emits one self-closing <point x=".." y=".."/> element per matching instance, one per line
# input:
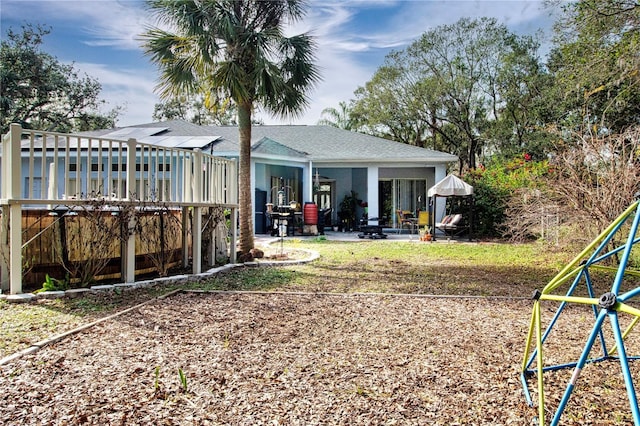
<point x="101" y="39"/>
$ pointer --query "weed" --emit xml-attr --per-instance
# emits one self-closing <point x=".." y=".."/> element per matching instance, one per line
<point x="361" y="391"/>
<point x="156" y="382"/>
<point x="183" y="380"/>
<point x="15" y="373"/>
<point x="89" y="305"/>
<point x="227" y="341"/>
<point x="157" y="386"/>
<point x="54" y="284"/>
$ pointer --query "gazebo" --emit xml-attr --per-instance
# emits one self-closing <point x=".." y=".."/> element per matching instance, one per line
<point x="450" y="186"/>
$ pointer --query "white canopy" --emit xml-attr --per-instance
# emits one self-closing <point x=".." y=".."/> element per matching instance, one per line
<point x="451" y="186"/>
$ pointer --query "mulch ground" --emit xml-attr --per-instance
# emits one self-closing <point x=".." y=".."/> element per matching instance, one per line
<point x="306" y="359"/>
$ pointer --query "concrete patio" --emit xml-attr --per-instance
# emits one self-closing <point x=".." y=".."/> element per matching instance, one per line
<point x="391" y="233"/>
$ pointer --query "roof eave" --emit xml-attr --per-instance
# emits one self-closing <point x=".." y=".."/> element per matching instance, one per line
<point x="263" y="156"/>
<point x="389" y="160"/>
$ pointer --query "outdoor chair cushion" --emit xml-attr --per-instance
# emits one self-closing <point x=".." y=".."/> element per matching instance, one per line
<point x="449" y="222"/>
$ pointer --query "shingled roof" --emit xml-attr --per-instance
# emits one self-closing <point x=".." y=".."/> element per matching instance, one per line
<point x="326" y="143"/>
<point x="315" y="143"/>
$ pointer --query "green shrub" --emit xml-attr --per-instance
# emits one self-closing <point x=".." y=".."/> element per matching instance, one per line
<point x="493" y="187"/>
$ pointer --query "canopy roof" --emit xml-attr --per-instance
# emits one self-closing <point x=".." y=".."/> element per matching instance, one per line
<point x="451" y="186"/>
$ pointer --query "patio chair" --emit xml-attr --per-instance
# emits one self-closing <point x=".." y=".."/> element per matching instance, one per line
<point x="423" y="219"/>
<point x="405" y="218"/>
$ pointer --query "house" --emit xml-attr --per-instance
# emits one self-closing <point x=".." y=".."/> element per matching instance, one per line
<point x="320" y="164"/>
<point x="185" y="166"/>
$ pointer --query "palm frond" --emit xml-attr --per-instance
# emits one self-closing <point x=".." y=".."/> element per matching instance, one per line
<point x="236" y="46"/>
<point x="232" y="77"/>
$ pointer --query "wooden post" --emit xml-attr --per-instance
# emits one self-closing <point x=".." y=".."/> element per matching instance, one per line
<point x="196" y="233"/>
<point x="129" y="245"/>
<point x="13" y="176"/>
<point x="196" y="236"/>
<point x="15" y="242"/>
<point x="185" y="237"/>
<point x="234" y="235"/>
<point x="129" y="251"/>
<point x="5" y="169"/>
<point x="4" y="246"/>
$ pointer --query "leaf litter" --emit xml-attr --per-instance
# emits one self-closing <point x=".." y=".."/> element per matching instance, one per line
<point x="305" y="359"/>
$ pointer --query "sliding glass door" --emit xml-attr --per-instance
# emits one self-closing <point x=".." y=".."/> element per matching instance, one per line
<point x="400" y="194"/>
<point x="410" y="195"/>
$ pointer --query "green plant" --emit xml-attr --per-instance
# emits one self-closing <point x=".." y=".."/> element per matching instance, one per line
<point x="156" y="382"/>
<point x="183" y="379"/>
<point x="494" y="187"/>
<point x="360" y="390"/>
<point x="54" y="284"/>
<point x="347" y="212"/>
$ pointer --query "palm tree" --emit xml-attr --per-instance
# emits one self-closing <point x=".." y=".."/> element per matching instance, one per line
<point x="239" y="47"/>
<point x="342" y="118"/>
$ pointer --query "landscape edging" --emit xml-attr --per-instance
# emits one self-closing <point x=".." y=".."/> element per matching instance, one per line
<point x="174" y="279"/>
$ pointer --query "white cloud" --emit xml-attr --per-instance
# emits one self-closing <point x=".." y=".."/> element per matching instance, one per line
<point x="101" y="22"/>
<point x="349" y="50"/>
<point x="128" y="88"/>
<point x="333" y="24"/>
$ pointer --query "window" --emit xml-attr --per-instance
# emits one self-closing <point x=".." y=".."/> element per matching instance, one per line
<point x="119" y="188"/>
<point x="95" y="188"/>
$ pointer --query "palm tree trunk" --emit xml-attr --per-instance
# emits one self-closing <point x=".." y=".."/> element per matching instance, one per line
<point x="244" y="184"/>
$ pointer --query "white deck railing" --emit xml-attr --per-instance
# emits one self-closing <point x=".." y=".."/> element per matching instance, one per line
<point x="53" y="168"/>
<point x="39" y="168"/>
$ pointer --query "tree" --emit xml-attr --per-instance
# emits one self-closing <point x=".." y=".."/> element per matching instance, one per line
<point x="198" y="110"/>
<point x="596" y="65"/>
<point x="388" y="105"/>
<point x="237" y="47"/>
<point x="450" y="90"/>
<point x="593" y="106"/>
<point x="341" y="118"/>
<point x="597" y="178"/>
<point x="464" y="61"/>
<point x="522" y="112"/>
<point x="38" y="91"/>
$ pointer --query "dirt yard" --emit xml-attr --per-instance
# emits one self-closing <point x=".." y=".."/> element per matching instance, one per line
<point x="306" y="359"/>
